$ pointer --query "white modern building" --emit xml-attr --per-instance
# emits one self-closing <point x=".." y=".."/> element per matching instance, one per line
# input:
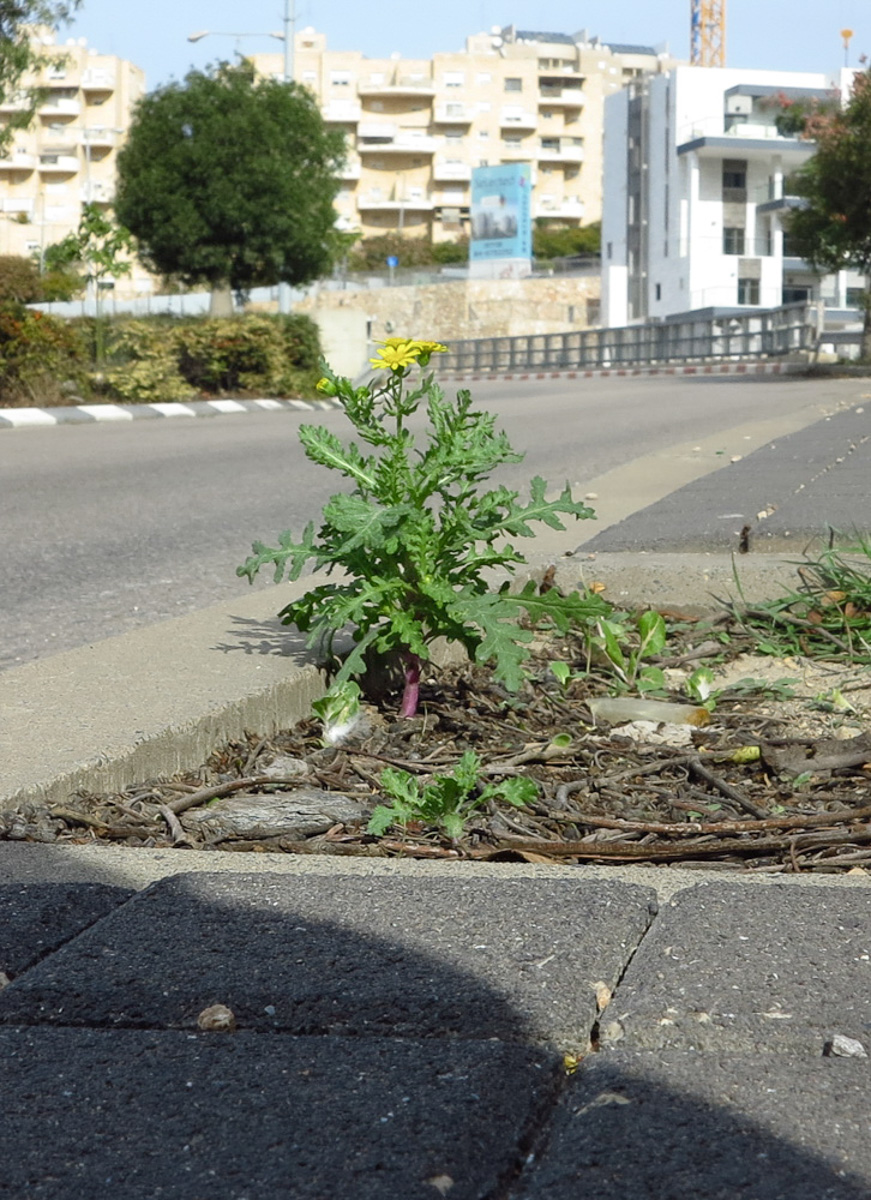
<point x="696" y="185"/>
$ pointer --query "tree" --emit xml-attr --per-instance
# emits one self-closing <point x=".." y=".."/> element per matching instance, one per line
<point x="20" y="54"/>
<point x="832" y="230"/>
<point x="99" y="245"/>
<point x="229" y="181"/>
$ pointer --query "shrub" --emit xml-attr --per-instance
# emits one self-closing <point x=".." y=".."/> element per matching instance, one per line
<point x="19" y="279"/>
<point x="42" y="358"/>
<point x="145" y="364"/>
<point x="549" y="242"/>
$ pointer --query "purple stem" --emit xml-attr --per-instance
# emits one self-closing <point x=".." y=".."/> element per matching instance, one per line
<point x="411" y="693"/>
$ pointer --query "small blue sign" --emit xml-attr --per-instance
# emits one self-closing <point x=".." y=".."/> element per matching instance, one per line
<point x="392" y="260"/>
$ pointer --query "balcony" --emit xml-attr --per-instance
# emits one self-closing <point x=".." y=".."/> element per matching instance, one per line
<point x="446" y="170"/>
<point x="98" y="138"/>
<point x="568" y="209"/>
<point x="403" y="144"/>
<point x="21" y="205"/>
<point x="566" y="150"/>
<point x="346" y="112"/>
<point x="97" y="193"/>
<point x="453" y="113"/>
<point x="60" y="107"/>
<point x="376" y="129"/>
<point x="562" y="97"/>
<point x="725" y="137"/>
<point x="18" y="162"/>
<point x="98" y="80"/>
<point x="59" y="163"/>
<point x="398" y="85"/>
<point x="517" y="118"/>
<point x="517" y="151"/>
<point x="395" y="201"/>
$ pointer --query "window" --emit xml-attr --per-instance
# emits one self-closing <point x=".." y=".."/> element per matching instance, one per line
<point x="734" y="179"/>
<point x="658" y="291"/>
<point x="748" y="291"/>
<point x="454" y="79"/>
<point x="733" y="240"/>
<point x="483" y="78"/>
<point x="854" y="297"/>
<point x="340" y="78"/>
<point x="513" y="85"/>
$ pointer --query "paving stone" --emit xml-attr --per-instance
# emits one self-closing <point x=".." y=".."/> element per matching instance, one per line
<point x="681" y="1125"/>
<point x="132" y="1114"/>
<point x="36" y="918"/>
<point x="727" y="967"/>
<point x="411" y="957"/>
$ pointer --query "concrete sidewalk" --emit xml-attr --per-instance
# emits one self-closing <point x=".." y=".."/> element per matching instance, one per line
<point x="405" y="1035"/>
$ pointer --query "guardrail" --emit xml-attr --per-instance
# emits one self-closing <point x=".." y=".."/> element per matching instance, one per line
<point x="771" y="333"/>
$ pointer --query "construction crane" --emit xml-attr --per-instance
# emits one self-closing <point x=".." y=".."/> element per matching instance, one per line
<point x="708" y="33"/>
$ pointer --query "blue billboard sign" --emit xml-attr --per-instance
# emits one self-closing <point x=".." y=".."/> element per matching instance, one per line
<point x="501" y="213"/>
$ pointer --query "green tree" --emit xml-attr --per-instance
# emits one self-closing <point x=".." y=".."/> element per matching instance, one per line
<point x="19" y="55"/>
<point x="832" y="230"/>
<point x="228" y="180"/>
<point x="99" y="246"/>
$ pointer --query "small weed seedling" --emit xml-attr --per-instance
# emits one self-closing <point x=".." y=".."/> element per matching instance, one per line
<point x="417" y="533"/>
<point x="613" y="635"/>
<point x="447" y="801"/>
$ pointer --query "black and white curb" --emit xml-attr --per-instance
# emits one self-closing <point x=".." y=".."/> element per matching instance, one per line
<point x="79" y="414"/>
<point x="746" y="368"/>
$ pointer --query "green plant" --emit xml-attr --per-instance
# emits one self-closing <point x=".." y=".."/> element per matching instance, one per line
<point x="446" y="801"/>
<point x="417" y="533"/>
<point x="828" y="616"/>
<point x="38" y="355"/>
<point x="612" y="636"/>
<point x="339" y="710"/>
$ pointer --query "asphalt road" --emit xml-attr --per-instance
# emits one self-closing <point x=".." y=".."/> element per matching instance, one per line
<point x="105" y="528"/>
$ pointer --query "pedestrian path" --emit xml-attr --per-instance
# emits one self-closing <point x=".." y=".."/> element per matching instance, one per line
<point x="415" y="1036"/>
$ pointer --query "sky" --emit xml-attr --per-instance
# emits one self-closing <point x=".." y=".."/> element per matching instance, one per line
<point x="783" y="35"/>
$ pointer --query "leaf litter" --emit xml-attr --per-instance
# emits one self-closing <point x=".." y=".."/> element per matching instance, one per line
<point x="776" y="781"/>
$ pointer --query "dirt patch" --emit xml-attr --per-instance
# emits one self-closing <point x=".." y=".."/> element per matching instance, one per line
<point x="777" y="780"/>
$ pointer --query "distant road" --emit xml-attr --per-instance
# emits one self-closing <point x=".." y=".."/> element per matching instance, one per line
<point x="105" y="528"/>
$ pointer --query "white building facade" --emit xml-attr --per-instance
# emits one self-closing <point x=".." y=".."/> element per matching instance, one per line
<point x="696" y="185"/>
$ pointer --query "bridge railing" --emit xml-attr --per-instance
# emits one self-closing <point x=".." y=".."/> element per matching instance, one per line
<point x="770" y="333"/>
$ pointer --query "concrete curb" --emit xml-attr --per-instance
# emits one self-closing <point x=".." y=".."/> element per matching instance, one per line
<point x="752" y="369"/>
<point x="79" y="414"/>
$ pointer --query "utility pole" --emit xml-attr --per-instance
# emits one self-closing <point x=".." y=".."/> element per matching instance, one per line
<point x="289" y="33"/>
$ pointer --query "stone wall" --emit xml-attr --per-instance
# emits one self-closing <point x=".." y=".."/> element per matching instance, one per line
<point x="468" y="308"/>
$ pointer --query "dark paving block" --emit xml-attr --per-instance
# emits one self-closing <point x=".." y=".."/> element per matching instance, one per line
<point x="36" y="918"/>
<point x="128" y="1114"/>
<point x="408" y="957"/>
<point x="727" y="967"/>
<point x="685" y="1126"/>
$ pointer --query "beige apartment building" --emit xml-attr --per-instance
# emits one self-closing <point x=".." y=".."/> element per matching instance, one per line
<point x="68" y="156"/>
<point x="415" y="128"/>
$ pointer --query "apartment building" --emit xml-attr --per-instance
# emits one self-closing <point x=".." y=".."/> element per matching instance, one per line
<point x="415" y="128"/>
<point x="696" y="186"/>
<point x="68" y="156"/>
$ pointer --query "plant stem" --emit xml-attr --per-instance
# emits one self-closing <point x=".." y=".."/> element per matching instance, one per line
<point x="411" y="693"/>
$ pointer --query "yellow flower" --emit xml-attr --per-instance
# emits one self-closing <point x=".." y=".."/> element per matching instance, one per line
<point x="326" y="386"/>
<point x="395" y="358"/>
<point x="398" y="353"/>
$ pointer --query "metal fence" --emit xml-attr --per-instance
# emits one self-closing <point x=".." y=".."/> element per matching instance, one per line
<point x="772" y="333"/>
